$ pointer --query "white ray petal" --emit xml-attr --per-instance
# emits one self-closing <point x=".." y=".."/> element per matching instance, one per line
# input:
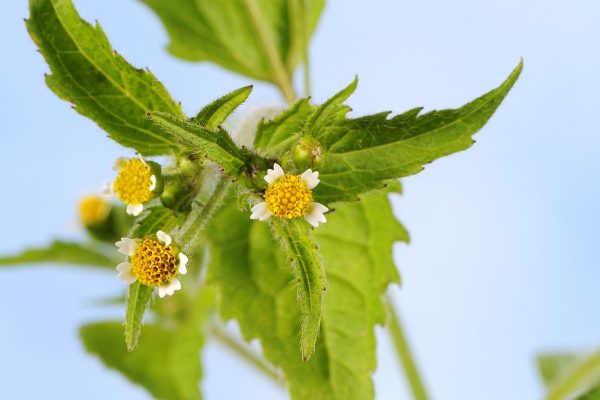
<point x="152" y="183"/>
<point x="125" y="274"/>
<point x="183" y="260"/>
<point x="126" y="246"/>
<point x="316" y="214"/>
<point x="107" y="189"/>
<point x="310" y="178"/>
<point x="274" y="174"/>
<point x="260" y="212"/>
<point x="135" y="209"/>
<point x="164" y="237"/>
<point x="124" y="266"/>
<point x="169" y="288"/>
<point x="162" y="291"/>
<point x="119" y="162"/>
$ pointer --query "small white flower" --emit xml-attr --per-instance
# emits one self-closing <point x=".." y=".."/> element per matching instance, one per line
<point x="290" y="196"/>
<point x="153" y="261"/>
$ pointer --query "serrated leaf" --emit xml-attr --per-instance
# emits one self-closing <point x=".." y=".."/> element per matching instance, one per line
<point x="261" y="39"/>
<point x="167" y="365"/>
<point x="276" y="136"/>
<point x="309" y="276"/>
<point x="254" y="280"/>
<point x="88" y="255"/>
<point x="362" y="153"/>
<point x="329" y="111"/>
<point x="101" y="85"/>
<point x="216" y="112"/>
<point x="217" y="145"/>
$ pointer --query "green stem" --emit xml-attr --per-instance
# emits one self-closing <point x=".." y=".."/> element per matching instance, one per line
<point x="201" y="215"/>
<point x="305" y="36"/>
<point x="242" y="350"/>
<point x="581" y="374"/>
<point x="404" y="354"/>
<point x="280" y="74"/>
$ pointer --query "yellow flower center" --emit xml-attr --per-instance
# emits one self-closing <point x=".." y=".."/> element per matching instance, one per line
<point x="153" y="263"/>
<point x="288" y="197"/>
<point x="132" y="185"/>
<point x="93" y="210"/>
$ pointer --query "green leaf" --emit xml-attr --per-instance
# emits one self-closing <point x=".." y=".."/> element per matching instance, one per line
<point x="333" y="109"/>
<point x="253" y="277"/>
<point x="168" y="363"/>
<point x="362" y="153"/>
<point x="592" y="394"/>
<point x="216" y="112"/>
<point x="138" y="298"/>
<point x="90" y="255"/>
<point x="216" y="146"/>
<point x="261" y="39"/>
<point x="301" y="251"/>
<point x="551" y="366"/>
<point x="276" y="136"/>
<point x="572" y="376"/>
<point x="99" y="83"/>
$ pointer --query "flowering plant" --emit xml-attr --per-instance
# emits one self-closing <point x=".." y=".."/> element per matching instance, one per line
<point x="229" y="217"/>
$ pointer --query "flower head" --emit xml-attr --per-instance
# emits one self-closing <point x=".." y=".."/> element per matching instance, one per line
<point x="290" y="196"/>
<point x="134" y="184"/>
<point x="93" y="210"/>
<point x="154" y="261"/>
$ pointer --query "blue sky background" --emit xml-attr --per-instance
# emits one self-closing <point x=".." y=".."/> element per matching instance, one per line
<point x="503" y="261"/>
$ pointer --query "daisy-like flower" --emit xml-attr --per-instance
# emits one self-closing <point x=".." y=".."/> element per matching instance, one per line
<point x="134" y="185"/>
<point x="154" y="261"/>
<point x="290" y="196"/>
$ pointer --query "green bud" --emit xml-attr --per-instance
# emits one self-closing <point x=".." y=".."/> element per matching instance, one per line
<point x="307" y="153"/>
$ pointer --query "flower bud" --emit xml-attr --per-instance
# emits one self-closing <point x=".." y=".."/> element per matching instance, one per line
<point x="307" y="153"/>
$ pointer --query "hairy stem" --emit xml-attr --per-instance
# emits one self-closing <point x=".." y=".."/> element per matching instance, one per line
<point x="280" y="74"/>
<point x="404" y="355"/>
<point x="202" y="214"/>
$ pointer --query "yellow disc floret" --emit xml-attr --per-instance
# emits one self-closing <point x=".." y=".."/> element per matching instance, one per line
<point x="288" y="197"/>
<point x="93" y="210"/>
<point x="153" y="263"/>
<point x="133" y="182"/>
